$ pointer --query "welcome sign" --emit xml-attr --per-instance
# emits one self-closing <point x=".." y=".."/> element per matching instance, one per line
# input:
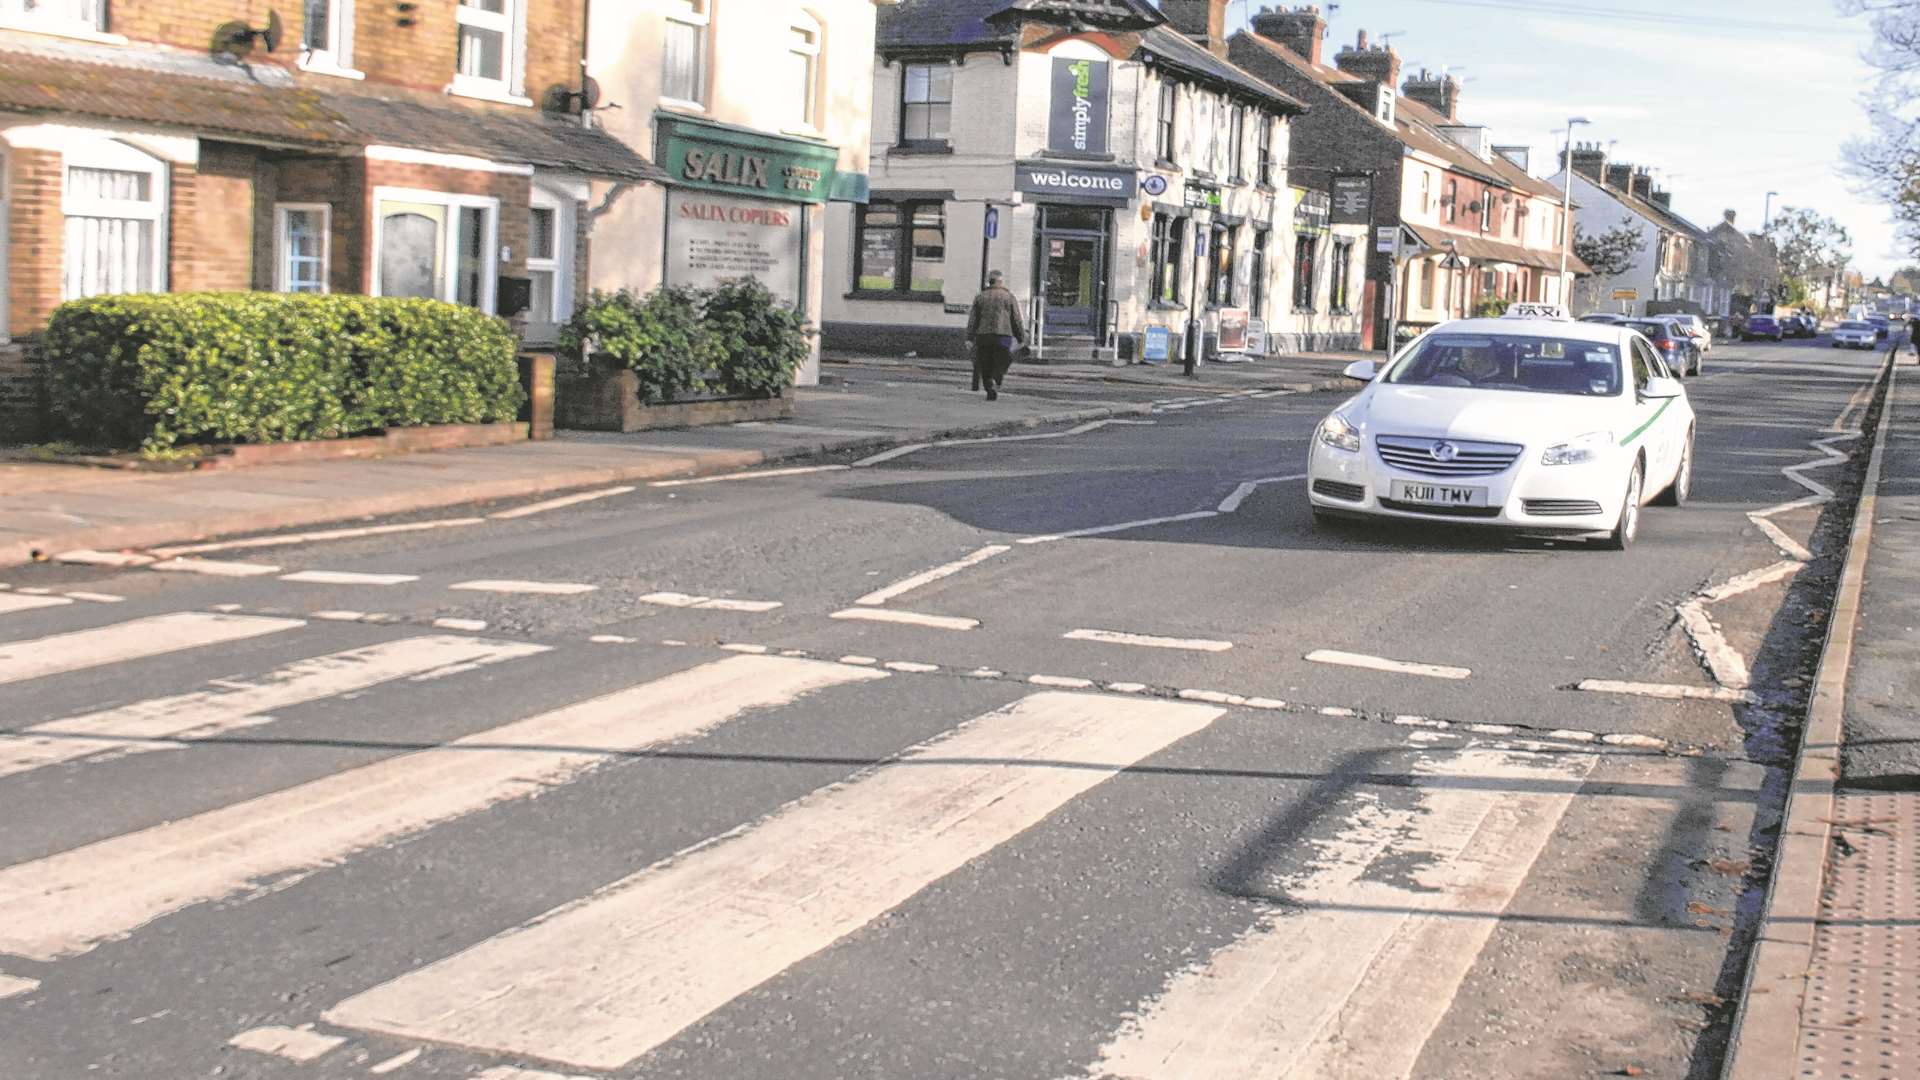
<point x="1078" y="120"/>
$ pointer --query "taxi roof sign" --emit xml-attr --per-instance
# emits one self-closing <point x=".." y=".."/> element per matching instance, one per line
<point x="1536" y="311"/>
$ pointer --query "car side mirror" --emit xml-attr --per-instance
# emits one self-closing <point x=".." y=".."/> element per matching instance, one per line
<point x="1363" y="370"/>
<point x="1657" y="388"/>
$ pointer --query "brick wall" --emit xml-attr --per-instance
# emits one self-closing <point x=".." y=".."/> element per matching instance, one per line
<point x="213" y="226"/>
<point x="34" y="279"/>
<point x="22" y="396"/>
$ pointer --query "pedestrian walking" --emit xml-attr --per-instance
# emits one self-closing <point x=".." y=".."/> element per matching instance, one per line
<point x="993" y="328"/>
<point x="1913" y="333"/>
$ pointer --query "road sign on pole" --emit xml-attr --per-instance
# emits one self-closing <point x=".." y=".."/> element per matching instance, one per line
<point x="993" y="223"/>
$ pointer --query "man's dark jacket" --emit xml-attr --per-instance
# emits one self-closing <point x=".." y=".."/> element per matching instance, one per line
<point x="995" y="313"/>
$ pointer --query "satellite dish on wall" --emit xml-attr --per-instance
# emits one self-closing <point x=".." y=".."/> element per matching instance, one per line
<point x="567" y="99"/>
<point x="235" y="38"/>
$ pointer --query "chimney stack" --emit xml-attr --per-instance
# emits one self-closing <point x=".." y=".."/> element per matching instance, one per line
<point x="1299" y="29"/>
<point x="1378" y="63"/>
<point x="1441" y="93"/>
<point x="1205" y="21"/>
<point x="1620" y="177"/>
<point x="1589" y="160"/>
<point x="1729" y="215"/>
<point x="1642" y="184"/>
<point x="1662" y="199"/>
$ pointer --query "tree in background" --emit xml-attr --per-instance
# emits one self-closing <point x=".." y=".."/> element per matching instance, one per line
<point x="1610" y="253"/>
<point x="1905" y="281"/>
<point x="1886" y="163"/>
<point x="1814" y="249"/>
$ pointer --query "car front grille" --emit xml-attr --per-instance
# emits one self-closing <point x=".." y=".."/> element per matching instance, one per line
<point x="1441" y="511"/>
<point x="1335" y="489"/>
<point x="1559" y="507"/>
<point x="1469" y="458"/>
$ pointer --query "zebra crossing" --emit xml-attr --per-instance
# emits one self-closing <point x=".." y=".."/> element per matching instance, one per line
<point x="608" y="980"/>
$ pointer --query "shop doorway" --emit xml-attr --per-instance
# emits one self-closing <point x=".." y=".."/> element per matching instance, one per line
<point x="1070" y="259"/>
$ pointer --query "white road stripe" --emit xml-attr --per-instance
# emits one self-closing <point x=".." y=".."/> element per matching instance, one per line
<point x="69" y="903"/>
<point x="602" y="981"/>
<point x="294" y="1044"/>
<point x="1123" y="526"/>
<point x="1752" y="579"/>
<point x="397" y="1061"/>
<point x="928" y="577"/>
<point x="347" y="577"/>
<point x="889" y="455"/>
<point x="1116" y="637"/>
<point x="1788" y="545"/>
<point x="339" y="615"/>
<point x="15" y="985"/>
<point x="13" y="601"/>
<point x="1231" y="504"/>
<point x="132" y="640"/>
<point x="514" y="1072"/>
<point x="1378" y="663"/>
<point x="908" y="618"/>
<point x="1667" y="690"/>
<point x="1071" y="682"/>
<point x="214" y="568"/>
<point x="461" y="624"/>
<point x="94" y="597"/>
<point x="90" y="557"/>
<point x="1355" y="984"/>
<point x="311" y="537"/>
<point x="232" y="704"/>
<point x="541" y="588"/>
<point x="562" y="501"/>
<point x="760" y="475"/>
<point x="707" y="603"/>
<point x="1729" y="668"/>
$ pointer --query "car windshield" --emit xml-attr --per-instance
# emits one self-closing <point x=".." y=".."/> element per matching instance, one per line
<point x="1541" y="365"/>
<point x="1651" y="329"/>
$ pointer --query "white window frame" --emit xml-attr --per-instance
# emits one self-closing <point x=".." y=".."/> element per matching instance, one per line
<point x="120" y="157"/>
<point x="282" y="220"/>
<point x="562" y="262"/>
<point x="698" y="15"/>
<point x="511" y="25"/>
<point x="90" y="26"/>
<point x="448" y="285"/>
<point x="336" y="57"/>
<point x="811" y="50"/>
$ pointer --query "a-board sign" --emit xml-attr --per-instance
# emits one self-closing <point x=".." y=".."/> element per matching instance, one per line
<point x="1156" y="345"/>
<point x="1233" y="330"/>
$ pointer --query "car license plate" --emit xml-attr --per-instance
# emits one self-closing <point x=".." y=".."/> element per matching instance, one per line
<point x="1438" y="494"/>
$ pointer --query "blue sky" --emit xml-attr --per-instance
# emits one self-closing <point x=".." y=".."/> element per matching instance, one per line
<point x="1726" y="100"/>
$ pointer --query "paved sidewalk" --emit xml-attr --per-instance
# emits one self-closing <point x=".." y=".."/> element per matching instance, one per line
<point x="1834" y="990"/>
<point x="1296" y="371"/>
<point x="46" y="509"/>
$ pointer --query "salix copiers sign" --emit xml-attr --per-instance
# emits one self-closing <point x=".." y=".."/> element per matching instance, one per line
<point x="1078" y="120"/>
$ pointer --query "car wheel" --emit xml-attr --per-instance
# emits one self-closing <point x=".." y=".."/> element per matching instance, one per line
<point x="1682" y="486"/>
<point x="1628" y="525"/>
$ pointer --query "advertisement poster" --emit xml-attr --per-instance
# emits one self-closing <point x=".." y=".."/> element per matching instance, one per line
<point x="1257" y="336"/>
<point x="1352" y="200"/>
<point x="714" y="238"/>
<point x="1077" y="122"/>
<point x="1157" y="345"/>
<point x="1233" y="330"/>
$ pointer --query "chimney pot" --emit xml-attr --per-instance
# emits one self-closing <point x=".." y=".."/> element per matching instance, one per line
<point x="1441" y="93"/>
<point x="1298" y="29"/>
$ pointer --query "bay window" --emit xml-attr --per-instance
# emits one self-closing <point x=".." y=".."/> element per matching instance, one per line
<point x="303" y="247"/>
<point x="115" y="200"/>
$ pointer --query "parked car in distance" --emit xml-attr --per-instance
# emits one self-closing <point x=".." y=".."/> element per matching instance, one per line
<point x="1762" y="326"/>
<point x="1676" y="348"/>
<point x="1603" y="317"/>
<point x="1694" y="327"/>
<point x="1808" y="323"/>
<point x="1855" y="334"/>
<point x="1881" y="326"/>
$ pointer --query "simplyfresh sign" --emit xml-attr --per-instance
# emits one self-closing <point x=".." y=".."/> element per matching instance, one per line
<point x="720" y="158"/>
<point x="1077" y="122"/>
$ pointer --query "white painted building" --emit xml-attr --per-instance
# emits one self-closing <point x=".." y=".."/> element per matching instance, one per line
<point x="1608" y="195"/>
<point x="1118" y="170"/>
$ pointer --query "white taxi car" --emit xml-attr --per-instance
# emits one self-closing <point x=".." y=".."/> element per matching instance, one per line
<point x="1530" y="421"/>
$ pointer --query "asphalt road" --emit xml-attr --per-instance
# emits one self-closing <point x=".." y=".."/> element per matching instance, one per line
<point x="904" y="770"/>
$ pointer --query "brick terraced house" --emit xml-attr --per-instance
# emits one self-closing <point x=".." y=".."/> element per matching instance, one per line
<point x="420" y="148"/>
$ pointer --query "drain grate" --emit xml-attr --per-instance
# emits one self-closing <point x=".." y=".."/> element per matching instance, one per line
<point x="1861" y="1017"/>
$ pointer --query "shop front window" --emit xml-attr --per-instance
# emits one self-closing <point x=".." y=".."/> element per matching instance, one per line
<point x="1259" y="270"/>
<point x="1169" y="233"/>
<point x="902" y="249"/>
<point x="1305" y="250"/>
<point x="1220" y="266"/>
<point x="1342" y="266"/>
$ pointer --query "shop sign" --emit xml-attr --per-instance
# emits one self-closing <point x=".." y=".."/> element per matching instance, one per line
<point x="1386" y="239"/>
<point x="1200" y="198"/>
<point x="714" y="157"/>
<point x="1233" y="330"/>
<point x="1077" y="123"/>
<point x="1312" y="211"/>
<point x="1154" y="184"/>
<point x="1352" y="200"/>
<point x="1257" y="336"/>
<point x="1156" y="346"/>
<point x="1626" y="294"/>
<point x="716" y="238"/>
<point x="1076" y="181"/>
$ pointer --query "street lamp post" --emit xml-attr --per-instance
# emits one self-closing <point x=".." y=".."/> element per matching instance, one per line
<point x="1566" y="210"/>
<point x="1766" y="215"/>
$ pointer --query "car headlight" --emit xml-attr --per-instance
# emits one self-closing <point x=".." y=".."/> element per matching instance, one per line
<point x="1578" y="451"/>
<point x="1336" y="431"/>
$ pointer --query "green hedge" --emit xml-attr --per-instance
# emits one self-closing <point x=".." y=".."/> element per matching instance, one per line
<point x="734" y="340"/>
<point x="157" y="370"/>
